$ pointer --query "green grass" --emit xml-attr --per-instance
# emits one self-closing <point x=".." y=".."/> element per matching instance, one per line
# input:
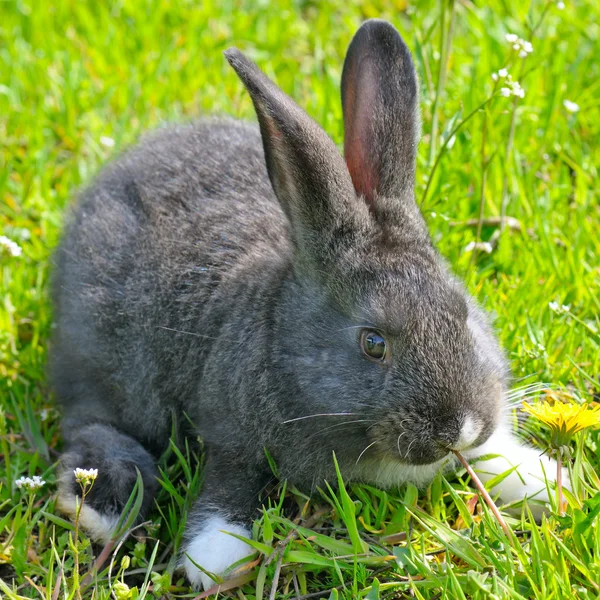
<point x="73" y="73"/>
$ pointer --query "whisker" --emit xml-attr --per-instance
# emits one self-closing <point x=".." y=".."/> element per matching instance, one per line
<point x="208" y="337"/>
<point x="344" y="414"/>
<point x="361" y="454"/>
<point x="338" y="425"/>
<point x="526" y="389"/>
<point x="398" y="443"/>
<point x="408" y="450"/>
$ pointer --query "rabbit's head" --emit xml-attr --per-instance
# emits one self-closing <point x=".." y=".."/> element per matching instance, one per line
<point x="378" y="333"/>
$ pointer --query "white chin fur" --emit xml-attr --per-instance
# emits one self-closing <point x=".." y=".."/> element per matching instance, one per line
<point x="98" y="527"/>
<point x="214" y="550"/>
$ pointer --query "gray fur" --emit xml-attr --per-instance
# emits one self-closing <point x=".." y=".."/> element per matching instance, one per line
<point x="193" y="281"/>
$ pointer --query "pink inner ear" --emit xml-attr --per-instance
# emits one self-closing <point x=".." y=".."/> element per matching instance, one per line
<point x="359" y="101"/>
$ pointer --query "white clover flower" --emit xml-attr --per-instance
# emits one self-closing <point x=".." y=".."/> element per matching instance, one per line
<point x="9" y="247"/>
<point x="501" y="74"/>
<point x="512" y="88"/>
<point x="85" y="476"/>
<point x="483" y="246"/>
<point x="571" y="107"/>
<point x="30" y="483"/>
<point x="559" y="309"/>
<point x="107" y="141"/>
<point x="523" y="47"/>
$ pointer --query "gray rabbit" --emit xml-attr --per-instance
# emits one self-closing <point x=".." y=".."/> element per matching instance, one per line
<point x="299" y="308"/>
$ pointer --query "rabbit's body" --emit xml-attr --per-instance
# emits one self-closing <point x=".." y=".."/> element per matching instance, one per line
<point x="153" y="262"/>
<point x="298" y="308"/>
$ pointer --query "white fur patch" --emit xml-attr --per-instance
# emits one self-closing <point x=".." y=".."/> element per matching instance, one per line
<point x="390" y="473"/>
<point x="214" y="550"/>
<point x="98" y="527"/>
<point x="527" y="481"/>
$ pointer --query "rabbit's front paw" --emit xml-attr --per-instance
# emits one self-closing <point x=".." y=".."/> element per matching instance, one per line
<point x="101" y="527"/>
<point x="527" y="481"/>
<point x="534" y="471"/>
<point x="213" y="549"/>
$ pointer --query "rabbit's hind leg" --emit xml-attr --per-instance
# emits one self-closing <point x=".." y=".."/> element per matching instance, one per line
<point x="116" y="456"/>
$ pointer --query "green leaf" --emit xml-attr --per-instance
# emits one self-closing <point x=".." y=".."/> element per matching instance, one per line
<point x="459" y="503"/>
<point x="452" y="540"/>
<point x="348" y="513"/>
<point x="374" y="591"/>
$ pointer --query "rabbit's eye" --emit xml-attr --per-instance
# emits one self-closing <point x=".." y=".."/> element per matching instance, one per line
<point x="373" y="345"/>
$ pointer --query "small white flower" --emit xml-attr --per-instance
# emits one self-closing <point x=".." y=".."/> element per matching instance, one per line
<point x="85" y="476"/>
<point x="501" y="74"/>
<point x="107" y="141"/>
<point x="9" y="247"/>
<point x="523" y="47"/>
<point x="30" y="483"/>
<point x="513" y="88"/>
<point x="483" y="246"/>
<point x="571" y="107"/>
<point x="559" y="309"/>
<point x="560" y="5"/>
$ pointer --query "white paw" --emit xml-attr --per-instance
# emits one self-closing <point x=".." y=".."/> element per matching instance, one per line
<point x="214" y="550"/>
<point x="99" y="527"/>
<point x="527" y="481"/>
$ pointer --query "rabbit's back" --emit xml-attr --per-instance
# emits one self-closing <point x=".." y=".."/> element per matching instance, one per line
<point x="153" y="250"/>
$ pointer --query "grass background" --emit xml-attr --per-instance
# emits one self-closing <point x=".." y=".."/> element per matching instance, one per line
<point x="73" y="73"/>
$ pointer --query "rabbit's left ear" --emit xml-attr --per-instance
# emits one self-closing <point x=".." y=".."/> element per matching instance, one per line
<point x="306" y="170"/>
<point x="381" y="119"/>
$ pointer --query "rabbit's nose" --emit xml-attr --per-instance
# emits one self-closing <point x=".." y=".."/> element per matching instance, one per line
<point x="469" y="431"/>
<point x="457" y="433"/>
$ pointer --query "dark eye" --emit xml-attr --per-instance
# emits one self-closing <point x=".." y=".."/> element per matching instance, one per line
<point x="373" y="345"/>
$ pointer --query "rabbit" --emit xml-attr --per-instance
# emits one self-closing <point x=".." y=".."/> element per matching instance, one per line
<point x="249" y="286"/>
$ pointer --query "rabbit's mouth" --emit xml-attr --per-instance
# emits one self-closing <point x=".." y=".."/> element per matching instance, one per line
<point x="415" y="441"/>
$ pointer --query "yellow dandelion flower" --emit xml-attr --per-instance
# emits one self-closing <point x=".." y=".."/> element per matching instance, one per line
<point x="565" y="419"/>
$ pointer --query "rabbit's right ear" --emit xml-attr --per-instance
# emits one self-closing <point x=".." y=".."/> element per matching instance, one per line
<point x="381" y="119"/>
<point x="308" y="174"/>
